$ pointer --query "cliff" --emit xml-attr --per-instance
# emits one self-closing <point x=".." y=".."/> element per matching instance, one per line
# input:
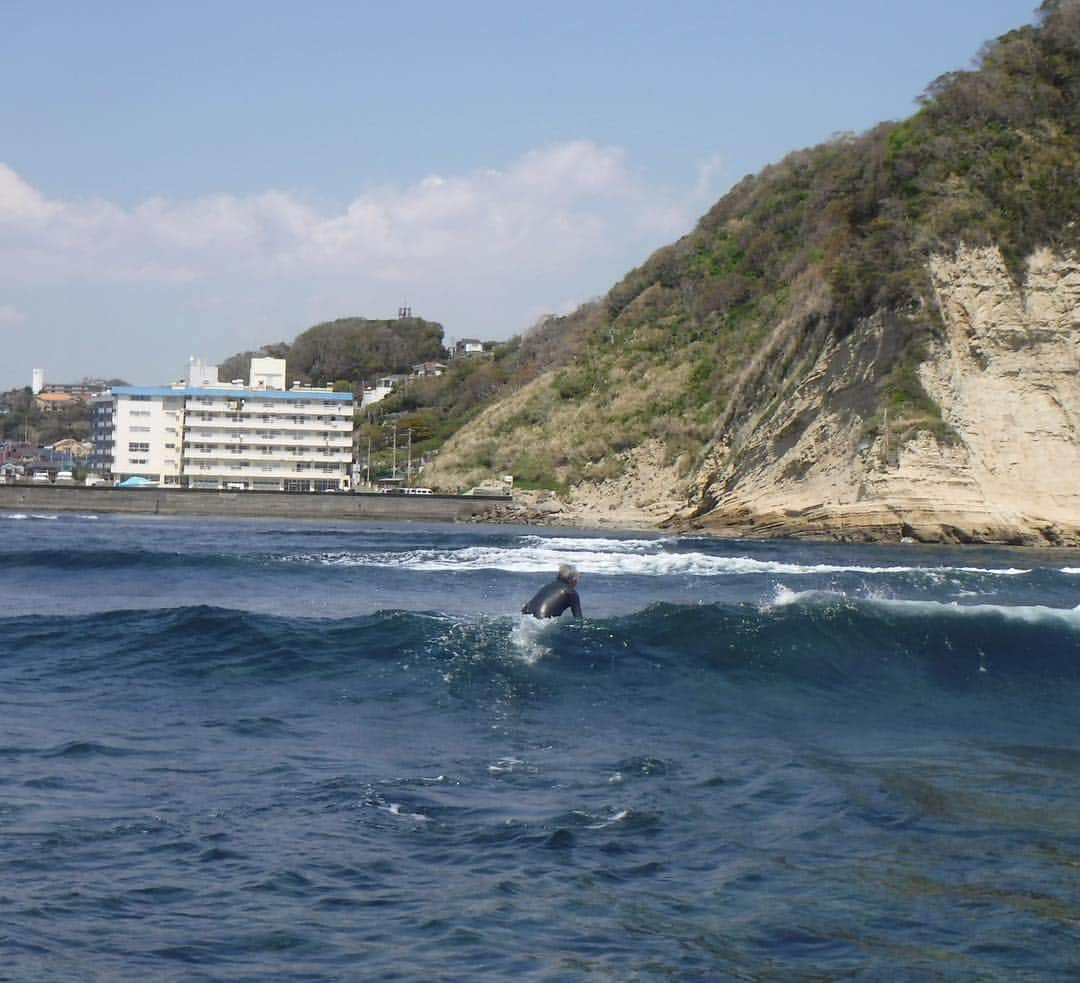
<point x="1002" y="467"/>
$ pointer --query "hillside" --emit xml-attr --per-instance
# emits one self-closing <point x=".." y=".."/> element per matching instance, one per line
<point x="874" y="338"/>
<point x="352" y="350"/>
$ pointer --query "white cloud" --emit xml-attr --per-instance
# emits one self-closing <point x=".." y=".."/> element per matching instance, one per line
<point x="20" y="203"/>
<point x="552" y="209"/>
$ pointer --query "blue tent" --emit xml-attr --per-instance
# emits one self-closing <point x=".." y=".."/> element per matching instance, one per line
<point x="135" y="481"/>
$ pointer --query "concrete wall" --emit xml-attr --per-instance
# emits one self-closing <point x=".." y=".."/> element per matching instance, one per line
<point x="183" y="501"/>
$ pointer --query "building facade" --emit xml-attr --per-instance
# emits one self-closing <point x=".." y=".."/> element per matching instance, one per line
<point x="203" y="433"/>
<point x="81" y="391"/>
<point x="102" y="407"/>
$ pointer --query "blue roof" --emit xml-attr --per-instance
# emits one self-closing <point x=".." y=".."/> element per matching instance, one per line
<point x="231" y="393"/>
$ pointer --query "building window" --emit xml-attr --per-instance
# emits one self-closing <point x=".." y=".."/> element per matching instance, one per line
<point x="137" y="448"/>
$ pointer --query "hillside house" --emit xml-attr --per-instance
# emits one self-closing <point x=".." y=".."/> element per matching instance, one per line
<point x="383" y="387"/>
<point x="425" y="369"/>
<point x="51" y="402"/>
<point x="80" y="391"/>
<point x="471" y="348"/>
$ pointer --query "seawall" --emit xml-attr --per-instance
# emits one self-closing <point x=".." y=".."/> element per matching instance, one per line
<point x="250" y="504"/>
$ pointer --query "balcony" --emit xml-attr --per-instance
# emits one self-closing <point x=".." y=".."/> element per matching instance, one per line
<point x="273" y="408"/>
<point x="279" y="425"/>
<point x="254" y="446"/>
<point x="229" y="471"/>
<point x="283" y="457"/>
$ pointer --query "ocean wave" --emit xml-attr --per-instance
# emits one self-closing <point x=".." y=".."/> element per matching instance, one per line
<point x="817" y="638"/>
<point x="1028" y="613"/>
<point x="656" y="558"/>
<point x="61" y="517"/>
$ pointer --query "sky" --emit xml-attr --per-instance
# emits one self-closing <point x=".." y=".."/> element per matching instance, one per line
<point x="203" y="178"/>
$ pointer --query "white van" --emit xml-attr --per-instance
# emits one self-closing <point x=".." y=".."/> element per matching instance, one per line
<point x="417" y="491"/>
<point x="64" y="476"/>
<point x="41" y="476"/>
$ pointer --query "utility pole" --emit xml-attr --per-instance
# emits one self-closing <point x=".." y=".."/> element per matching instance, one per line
<point x="408" y="464"/>
<point x="367" y="466"/>
<point x="393" y="467"/>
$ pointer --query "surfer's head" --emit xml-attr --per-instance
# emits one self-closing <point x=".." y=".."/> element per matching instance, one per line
<point x="568" y="572"/>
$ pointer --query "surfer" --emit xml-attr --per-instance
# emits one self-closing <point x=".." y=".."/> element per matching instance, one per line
<point x="554" y="598"/>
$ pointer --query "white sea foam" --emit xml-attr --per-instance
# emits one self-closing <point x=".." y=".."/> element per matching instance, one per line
<point x="1026" y="613"/>
<point x="504" y="765"/>
<point x="527" y="639"/>
<point x="618" y="817"/>
<point x="616" y="557"/>
<point x="394" y="808"/>
<point x="572" y="544"/>
<point x="41" y="515"/>
<point x="1074" y="571"/>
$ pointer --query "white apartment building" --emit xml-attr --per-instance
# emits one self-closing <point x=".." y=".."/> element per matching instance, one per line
<point x="203" y="433"/>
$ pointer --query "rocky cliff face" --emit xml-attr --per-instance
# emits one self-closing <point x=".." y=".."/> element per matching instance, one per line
<point x="812" y="442"/>
<point x="1003" y="466"/>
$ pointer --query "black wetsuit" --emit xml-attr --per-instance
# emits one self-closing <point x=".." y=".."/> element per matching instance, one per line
<point x="550" y="601"/>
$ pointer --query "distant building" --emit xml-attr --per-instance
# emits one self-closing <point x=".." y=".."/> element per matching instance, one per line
<point x="53" y="402"/>
<point x="37" y="380"/>
<point x="102" y="407"/>
<point x="429" y="369"/>
<point x="70" y="447"/>
<point x="80" y="391"/>
<point x="203" y="433"/>
<point x="64" y="454"/>
<point x="17" y="450"/>
<point x="469" y="347"/>
<point x="383" y="387"/>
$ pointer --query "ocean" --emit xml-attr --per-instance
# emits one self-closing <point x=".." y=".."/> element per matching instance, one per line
<point x="298" y="750"/>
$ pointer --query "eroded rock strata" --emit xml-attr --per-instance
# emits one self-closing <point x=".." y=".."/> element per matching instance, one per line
<point x="1003" y="467"/>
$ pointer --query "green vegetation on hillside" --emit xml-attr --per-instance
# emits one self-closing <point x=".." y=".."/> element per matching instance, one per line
<point x="716" y="329"/>
<point x="25" y="421"/>
<point x="436" y="407"/>
<point x="353" y="350"/>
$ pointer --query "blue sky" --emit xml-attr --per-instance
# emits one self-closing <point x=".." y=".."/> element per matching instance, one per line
<point x="201" y="178"/>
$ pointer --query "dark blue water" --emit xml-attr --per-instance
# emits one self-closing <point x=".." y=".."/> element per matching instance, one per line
<point x="269" y="750"/>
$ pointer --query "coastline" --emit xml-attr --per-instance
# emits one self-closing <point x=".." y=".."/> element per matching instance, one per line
<point x="247" y="504"/>
<point x="884" y="526"/>
<point x="544" y="509"/>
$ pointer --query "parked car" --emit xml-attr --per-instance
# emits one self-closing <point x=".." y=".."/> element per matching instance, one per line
<point x="65" y="476"/>
<point x="41" y="476"/>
